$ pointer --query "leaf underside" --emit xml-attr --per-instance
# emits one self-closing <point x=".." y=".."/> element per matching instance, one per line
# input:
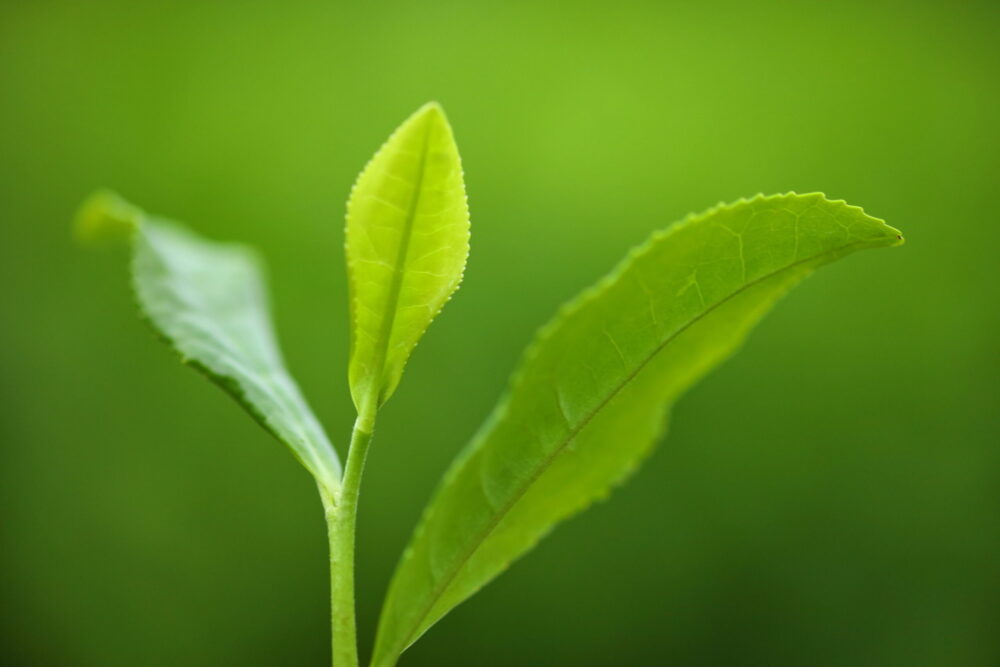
<point x="207" y="300"/>
<point x="407" y="242"/>
<point x="592" y="392"/>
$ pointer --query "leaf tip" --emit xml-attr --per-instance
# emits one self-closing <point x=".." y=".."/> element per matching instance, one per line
<point x="105" y="217"/>
<point x="889" y="235"/>
<point x="895" y="236"/>
<point x="431" y="108"/>
<point x="884" y="235"/>
<point x="431" y="112"/>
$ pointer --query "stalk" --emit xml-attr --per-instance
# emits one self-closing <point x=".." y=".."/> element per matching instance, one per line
<point x="341" y="514"/>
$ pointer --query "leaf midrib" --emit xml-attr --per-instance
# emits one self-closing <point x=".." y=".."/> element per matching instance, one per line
<point x="399" y="268"/>
<point x="547" y="461"/>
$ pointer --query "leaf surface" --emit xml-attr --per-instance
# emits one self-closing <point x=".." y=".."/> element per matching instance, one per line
<point x="207" y="300"/>
<point x="592" y="392"/>
<point x="407" y="242"/>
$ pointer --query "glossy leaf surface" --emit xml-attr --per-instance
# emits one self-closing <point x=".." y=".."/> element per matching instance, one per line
<point x="593" y="390"/>
<point x="407" y="242"/>
<point x="207" y="300"/>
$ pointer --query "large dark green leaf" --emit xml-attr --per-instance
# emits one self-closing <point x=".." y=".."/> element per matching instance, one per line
<point x="590" y="397"/>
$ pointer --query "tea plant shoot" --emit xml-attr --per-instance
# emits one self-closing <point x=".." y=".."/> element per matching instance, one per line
<point x="587" y="403"/>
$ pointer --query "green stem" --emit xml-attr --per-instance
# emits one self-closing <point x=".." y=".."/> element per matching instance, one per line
<point x="341" y="513"/>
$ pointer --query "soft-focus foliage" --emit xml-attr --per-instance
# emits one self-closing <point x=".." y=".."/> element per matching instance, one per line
<point x="208" y="301"/>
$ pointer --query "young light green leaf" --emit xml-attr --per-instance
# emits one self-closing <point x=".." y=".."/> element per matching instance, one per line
<point x="207" y="300"/>
<point x="591" y="395"/>
<point x="407" y="242"/>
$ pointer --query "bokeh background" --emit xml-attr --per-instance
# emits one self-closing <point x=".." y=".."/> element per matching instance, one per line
<point x="831" y="496"/>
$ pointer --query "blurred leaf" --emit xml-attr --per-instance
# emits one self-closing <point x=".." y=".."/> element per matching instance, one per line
<point x="207" y="300"/>
<point x="407" y="242"/>
<point x="592" y="392"/>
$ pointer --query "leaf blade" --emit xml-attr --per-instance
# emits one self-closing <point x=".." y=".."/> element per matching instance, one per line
<point x="589" y="399"/>
<point x="207" y="301"/>
<point x="407" y="240"/>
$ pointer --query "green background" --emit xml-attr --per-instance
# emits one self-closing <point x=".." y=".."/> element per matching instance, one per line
<point x="829" y="497"/>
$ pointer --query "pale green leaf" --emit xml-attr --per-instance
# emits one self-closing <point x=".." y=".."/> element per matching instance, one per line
<point x="407" y="242"/>
<point x="591" y="395"/>
<point x="207" y="300"/>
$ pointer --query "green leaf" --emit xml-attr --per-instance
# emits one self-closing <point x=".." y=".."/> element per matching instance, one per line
<point x="407" y="242"/>
<point x="207" y="300"/>
<point x="591" y="395"/>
